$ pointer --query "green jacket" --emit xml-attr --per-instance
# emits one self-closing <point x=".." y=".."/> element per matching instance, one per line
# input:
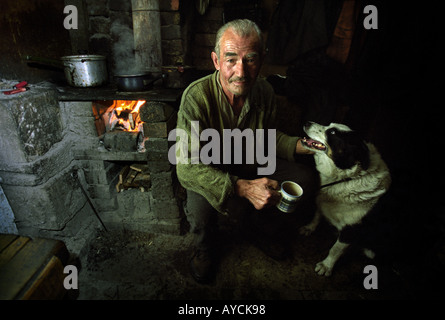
<point x="204" y="101"/>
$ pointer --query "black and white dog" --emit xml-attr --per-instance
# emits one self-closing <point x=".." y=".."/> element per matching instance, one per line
<point x="353" y="178"/>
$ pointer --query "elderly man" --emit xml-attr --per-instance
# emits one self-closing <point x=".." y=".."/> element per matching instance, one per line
<point x="233" y="97"/>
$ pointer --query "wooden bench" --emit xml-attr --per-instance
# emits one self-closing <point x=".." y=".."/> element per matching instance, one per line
<point x="31" y="268"/>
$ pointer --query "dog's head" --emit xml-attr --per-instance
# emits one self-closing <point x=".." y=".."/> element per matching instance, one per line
<point x="344" y="146"/>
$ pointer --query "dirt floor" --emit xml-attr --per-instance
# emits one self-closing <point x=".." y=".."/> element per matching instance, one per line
<point x="132" y="266"/>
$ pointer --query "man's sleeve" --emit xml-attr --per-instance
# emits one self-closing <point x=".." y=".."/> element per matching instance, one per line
<point x="213" y="184"/>
<point x="286" y="146"/>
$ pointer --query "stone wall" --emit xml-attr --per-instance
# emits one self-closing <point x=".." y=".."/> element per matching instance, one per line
<point x="188" y="37"/>
<point x="104" y="16"/>
<point x="57" y="174"/>
<point x="205" y="27"/>
<point x="154" y="210"/>
<point x="38" y="171"/>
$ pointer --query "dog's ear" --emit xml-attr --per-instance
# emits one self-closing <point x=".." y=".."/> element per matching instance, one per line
<point x="348" y="148"/>
<point x="342" y="156"/>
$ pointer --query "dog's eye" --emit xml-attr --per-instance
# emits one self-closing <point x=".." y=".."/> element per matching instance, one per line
<point x="332" y="131"/>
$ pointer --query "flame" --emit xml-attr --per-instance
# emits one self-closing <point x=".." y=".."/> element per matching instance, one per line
<point x="125" y="115"/>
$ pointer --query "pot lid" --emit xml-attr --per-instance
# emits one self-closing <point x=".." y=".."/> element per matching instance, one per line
<point x="132" y="75"/>
<point x="83" y="57"/>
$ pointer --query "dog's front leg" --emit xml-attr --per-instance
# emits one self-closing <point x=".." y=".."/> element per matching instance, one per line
<point x="311" y="226"/>
<point x="325" y="267"/>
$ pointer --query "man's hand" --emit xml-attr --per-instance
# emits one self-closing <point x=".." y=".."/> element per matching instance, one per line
<point x="302" y="150"/>
<point x="260" y="192"/>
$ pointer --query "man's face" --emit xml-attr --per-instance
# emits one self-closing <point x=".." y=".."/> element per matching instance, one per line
<point x="239" y="62"/>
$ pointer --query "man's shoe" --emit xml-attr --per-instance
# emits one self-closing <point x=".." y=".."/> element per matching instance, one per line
<point x="202" y="266"/>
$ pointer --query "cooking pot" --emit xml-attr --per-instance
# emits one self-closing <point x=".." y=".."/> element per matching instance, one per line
<point x="86" y="70"/>
<point x="135" y="82"/>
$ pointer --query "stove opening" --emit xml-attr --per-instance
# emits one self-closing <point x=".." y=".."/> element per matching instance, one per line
<point x="119" y="125"/>
<point x="124" y="115"/>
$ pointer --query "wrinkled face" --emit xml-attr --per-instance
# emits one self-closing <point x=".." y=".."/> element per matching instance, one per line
<point x="239" y="62"/>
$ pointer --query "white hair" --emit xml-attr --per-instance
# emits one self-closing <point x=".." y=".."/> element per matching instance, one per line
<point x="242" y="28"/>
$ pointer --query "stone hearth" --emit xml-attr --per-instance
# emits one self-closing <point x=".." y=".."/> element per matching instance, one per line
<point x="51" y="154"/>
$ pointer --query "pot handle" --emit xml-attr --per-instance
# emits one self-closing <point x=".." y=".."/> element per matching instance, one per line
<point x="44" y="61"/>
<point x="154" y="79"/>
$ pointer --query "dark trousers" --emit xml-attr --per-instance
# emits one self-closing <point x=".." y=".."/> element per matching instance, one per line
<point x="203" y="218"/>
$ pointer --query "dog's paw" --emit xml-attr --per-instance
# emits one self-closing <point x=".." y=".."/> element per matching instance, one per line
<point x="323" y="269"/>
<point x="306" y="230"/>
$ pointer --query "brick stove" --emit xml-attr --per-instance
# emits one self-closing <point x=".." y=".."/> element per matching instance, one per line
<point x="49" y="135"/>
<point x="56" y="171"/>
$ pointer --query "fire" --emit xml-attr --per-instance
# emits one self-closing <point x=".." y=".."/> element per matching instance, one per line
<point x="124" y="115"/>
